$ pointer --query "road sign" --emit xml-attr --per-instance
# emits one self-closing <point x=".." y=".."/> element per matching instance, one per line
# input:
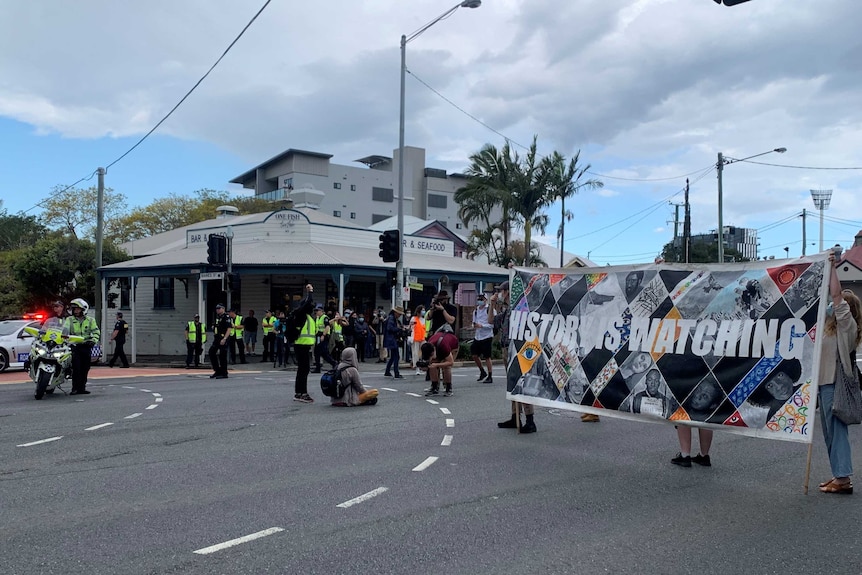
<point x="212" y="275"/>
<point x="405" y="293"/>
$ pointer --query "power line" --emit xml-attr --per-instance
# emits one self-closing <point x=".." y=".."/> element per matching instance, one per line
<point x="168" y="115"/>
<point x="795" y="167"/>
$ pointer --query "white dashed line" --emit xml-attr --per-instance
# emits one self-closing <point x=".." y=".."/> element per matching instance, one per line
<point x="432" y="402"/>
<point x="447" y="441"/>
<point x="362" y="498"/>
<point x="388" y="389"/>
<point x="413" y="394"/>
<point x="426" y="464"/>
<point x="159" y="399"/>
<point x="128" y="387"/>
<point x="100" y="426"/>
<point x="134" y="415"/>
<point x="153" y="406"/>
<point x="450" y="423"/>
<point x="146" y="390"/>
<point x="445" y="411"/>
<point x="157" y="394"/>
<point x="232" y="542"/>
<point x="49" y="440"/>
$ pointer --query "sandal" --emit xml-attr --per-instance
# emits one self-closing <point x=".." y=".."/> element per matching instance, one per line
<point x="840" y="488"/>
<point x="825" y="483"/>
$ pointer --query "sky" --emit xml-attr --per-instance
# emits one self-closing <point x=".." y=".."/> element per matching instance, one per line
<point x="649" y="92"/>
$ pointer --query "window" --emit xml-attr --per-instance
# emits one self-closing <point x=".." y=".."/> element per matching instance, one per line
<point x="382" y="194"/>
<point x="436" y="201"/>
<point x="163" y="294"/>
<point x="336" y="185"/>
<point x="352" y="215"/>
<point x="457" y="226"/>
<point x="352" y="187"/>
<point x="125" y="293"/>
<point x="288" y="183"/>
<point x="336" y="213"/>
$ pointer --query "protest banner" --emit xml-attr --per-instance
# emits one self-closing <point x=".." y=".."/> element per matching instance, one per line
<point x="722" y="346"/>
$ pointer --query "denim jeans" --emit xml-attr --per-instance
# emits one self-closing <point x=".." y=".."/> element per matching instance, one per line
<point x="835" y="434"/>
<point x="392" y="366"/>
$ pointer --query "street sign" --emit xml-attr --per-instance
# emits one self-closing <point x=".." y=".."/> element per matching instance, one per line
<point x="212" y="275"/>
<point x="405" y="294"/>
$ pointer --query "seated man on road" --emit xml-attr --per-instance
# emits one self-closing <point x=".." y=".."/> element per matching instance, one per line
<point x="438" y="359"/>
<point x="354" y="392"/>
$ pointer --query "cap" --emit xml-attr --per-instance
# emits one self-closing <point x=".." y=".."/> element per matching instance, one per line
<point x="481" y="296"/>
<point x="504" y="286"/>
<point x="220" y="305"/>
<point x="442" y="293"/>
<point x="319" y="306"/>
<point x="119" y="314"/>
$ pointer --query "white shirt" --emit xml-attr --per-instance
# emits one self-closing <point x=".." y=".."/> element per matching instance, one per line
<point x="480" y="316"/>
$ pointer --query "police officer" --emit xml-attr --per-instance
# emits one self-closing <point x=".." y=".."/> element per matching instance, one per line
<point x="236" y="339"/>
<point x="81" y="325"/>
<point x="268" y="326"/>
<point x="303" y="345"/>
<point x="118" y="336"/>
<point x="321" y="347"/>
<point x="218" y="349"/>
<point x="196" y="337"/>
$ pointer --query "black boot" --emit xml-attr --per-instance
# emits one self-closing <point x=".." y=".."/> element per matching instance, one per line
<point x="510" y="423"/>
<point x="530" y="426"/>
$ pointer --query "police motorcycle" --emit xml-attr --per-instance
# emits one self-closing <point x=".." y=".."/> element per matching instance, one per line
<point x="50" y="361"/>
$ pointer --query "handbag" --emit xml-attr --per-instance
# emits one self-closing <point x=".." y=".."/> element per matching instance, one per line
<point x="847" y="404"/>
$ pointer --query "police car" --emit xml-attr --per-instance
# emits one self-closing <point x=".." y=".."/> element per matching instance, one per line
<point x="15" y="342"/>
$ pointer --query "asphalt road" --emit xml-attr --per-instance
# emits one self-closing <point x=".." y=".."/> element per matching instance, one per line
<point x="183" y="474"/>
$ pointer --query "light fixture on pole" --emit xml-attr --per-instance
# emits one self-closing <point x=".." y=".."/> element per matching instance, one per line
<point x="821" y="198"/>
<point x="722" y="161"/>
<point x="399" y="266"/>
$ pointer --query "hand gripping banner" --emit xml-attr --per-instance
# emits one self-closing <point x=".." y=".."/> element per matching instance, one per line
<point x="730" y="347"/>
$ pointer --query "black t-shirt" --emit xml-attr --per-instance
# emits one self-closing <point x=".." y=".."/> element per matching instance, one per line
<point x="438" y="319"/>
<point x="222" y="327"/>
<point x="250" y="323"/>
<point x="120" y="327"/>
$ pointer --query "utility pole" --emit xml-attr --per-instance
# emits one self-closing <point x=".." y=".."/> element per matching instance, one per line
<point x="686" y="227"/>
<point x="677" y="243"/>
<point x="804" y="241"/>
<point x="100" y="311"/>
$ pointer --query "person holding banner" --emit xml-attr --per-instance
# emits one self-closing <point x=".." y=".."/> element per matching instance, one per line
<point x="842" y="334"/>
<point x="704" y="399"/>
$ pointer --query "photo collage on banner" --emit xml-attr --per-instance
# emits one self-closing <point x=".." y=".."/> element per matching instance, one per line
<point x="728" y="345"/>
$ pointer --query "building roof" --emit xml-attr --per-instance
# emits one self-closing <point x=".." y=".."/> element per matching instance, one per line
<point x="250" y="174"/>
<point x="374" y="160"/>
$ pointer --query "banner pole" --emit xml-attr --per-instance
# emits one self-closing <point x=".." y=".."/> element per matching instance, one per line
<point x="517" y="415"/>
<point x="808" y="467"/>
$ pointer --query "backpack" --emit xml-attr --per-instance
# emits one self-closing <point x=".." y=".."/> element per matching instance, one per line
<point x="293" y="323"/>
<point x="331" y="383"/>
<point x="498" y="322"/>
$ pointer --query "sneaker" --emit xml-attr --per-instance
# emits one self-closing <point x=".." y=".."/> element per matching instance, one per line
<point x="528" y="428"/>
<point x="510" y="423"/>
<point x="418" y="372"/>
<point x="681" y="461"/>
<point x="399" y="376"/>
<point x="303" y="398"/>
<point x="448" y="392"/>
<point x="702" y="460"/>
<point x="482" y="377"/>
<point x="488" y="379"/>
<point x="431" y="391"/>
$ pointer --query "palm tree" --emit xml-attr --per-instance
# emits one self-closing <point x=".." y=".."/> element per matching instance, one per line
<point x="564" y="182"/>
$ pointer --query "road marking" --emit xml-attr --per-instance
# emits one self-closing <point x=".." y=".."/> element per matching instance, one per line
<point x="413" y="394"/>
<point x="128" y="387"/>
<point x="239" y="540"/>
<point x="134" y="415"/>
<point x="146" y="390"/>
<point x="157" y="395"/>
<point x="445" y="411"/>
<point x="450" y="423"/>
<point x="153" y="406"/>
<point x="363" y="498"/>
<point x="447" y="441"/>
<point x="159" y="399"/>
<point x="388" y="389"/>
<point x="425" y="464"/>
<point x="100" y="426"/>
<point x="432" y="402"/>
<point x="49" y="440"/>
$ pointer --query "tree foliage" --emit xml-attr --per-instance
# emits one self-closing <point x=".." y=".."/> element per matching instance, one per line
<point x="74" y="211"/>
<point x="176" y="211"/>
<point x="521" y="188"/>
<point x="18" y="231"/>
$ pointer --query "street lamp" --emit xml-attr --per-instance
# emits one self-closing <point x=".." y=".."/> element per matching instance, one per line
<point x="399" y="266"/>
<point x="722" y="161"/>
<point x="821" y="198"/>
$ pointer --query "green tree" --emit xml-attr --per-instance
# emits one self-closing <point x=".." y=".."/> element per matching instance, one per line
<point x="18" y="230"/>
<point x="74" y="211"/>
<point x="60" y="267"/>
<point x="12" y="300"/>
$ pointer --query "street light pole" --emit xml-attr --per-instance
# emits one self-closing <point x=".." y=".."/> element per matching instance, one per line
<point x="399" y="265"/>
<point x="722" y="161"/>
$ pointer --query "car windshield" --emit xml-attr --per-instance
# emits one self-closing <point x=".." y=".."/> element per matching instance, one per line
<point x="11" y="326"/>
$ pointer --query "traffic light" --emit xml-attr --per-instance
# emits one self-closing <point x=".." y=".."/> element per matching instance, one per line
<point x="390" y="246"/>
<point x="216" y="250"/>
<point x="232" y="282"/>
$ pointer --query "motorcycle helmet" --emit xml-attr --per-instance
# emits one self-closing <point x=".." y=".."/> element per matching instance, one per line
<point x="81" y="303"/>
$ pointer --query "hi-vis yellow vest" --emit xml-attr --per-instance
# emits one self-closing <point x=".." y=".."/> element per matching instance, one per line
<point x="267" y="325"/>
<point x="193" y="332"/>
<point x="309" y="332"/>
<point x="238" y="328"/>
